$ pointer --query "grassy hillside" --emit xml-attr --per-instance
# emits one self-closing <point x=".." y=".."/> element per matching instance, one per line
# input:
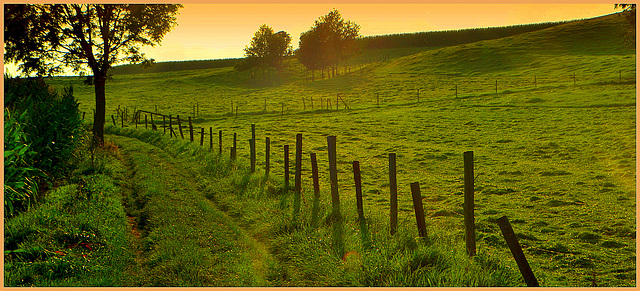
<point x="557" y="156"/>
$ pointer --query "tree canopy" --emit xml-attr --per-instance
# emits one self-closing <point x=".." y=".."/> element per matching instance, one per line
<point x="44" y="39"/>
<point x="330" y="41"/>
<point x="268" y="49"/>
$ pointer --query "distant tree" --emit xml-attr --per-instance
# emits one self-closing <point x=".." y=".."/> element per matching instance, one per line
<point x="630" y="32"/>
<point x="267" y="49"/>
<point x="43" y="39"/>
<point x="330" y="41"/>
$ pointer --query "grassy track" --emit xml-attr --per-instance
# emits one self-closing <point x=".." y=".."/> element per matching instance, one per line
<point x="557" y="158"/>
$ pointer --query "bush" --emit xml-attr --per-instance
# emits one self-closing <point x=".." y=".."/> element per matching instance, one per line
<point x="40" y="131"/>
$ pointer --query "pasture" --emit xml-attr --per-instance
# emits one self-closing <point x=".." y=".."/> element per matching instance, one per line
<point x="550" y="116"/>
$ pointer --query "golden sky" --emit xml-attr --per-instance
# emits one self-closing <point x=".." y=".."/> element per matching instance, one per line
<point x="213" y="31"/>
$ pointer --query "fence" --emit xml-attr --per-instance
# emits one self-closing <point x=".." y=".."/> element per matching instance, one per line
<point x="336" y="215"/>
<point x="410" y="89"/>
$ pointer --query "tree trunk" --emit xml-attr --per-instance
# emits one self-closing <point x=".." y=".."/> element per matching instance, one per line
<point x="99" y="117"/>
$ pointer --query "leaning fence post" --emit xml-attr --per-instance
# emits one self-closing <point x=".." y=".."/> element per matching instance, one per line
<point x="298" y="176"/>
<point x="333" y="176"/>
<point x="171" y="133"/>
<point x="358" y="183"/>
<point x="469" y="223"/>
<point x="180" y="127"/>
<point x="316" y="187"/>
<point x="419" y="210"/>
<point x="516" y="251"/>
<point x="114" y="120"/>
<point x="393" y="190"/>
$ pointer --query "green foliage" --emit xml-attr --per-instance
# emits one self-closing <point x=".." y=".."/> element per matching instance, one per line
<point x="330" y="41"/>
<point x="40" y="132"/>
<point x="268" y="48"/>
<point x="20" y="178"/>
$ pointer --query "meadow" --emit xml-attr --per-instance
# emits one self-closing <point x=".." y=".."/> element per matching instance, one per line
<point x="549" y="114"/>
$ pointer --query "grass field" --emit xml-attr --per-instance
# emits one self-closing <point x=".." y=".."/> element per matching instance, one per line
<point x="557" y="157"/>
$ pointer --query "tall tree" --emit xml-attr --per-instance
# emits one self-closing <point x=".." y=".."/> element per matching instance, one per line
<point x="268" y="49"/>
<point x="330" y="41"/>
<point x="88" y="38"/>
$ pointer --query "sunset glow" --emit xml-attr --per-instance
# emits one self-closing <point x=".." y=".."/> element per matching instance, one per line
<point x="214" y="31"/>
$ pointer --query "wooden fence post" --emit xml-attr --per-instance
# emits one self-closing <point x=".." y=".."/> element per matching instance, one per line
<point x="267" y="156"/>
<point x="304" y="105"/>
<point x="180" y="127"/>
<point x="220" y="141"/>
<point x="201" y="136"/>
<point x="286" y="167"/>
<point x="210" y="138"/>
<point x="311" y="102"/>
<point x="316" y="187"/>
<point x="122" y="120"/>
<point x="114" y="120"/>
<point x="469" y="223"/>
<point x="333" y="176"/>
<point x="393" y="190"/>
<point x="171" y="133"/>
<point x="516" y="251"/>
<point x="252" y="146"/>
<point x="419" y="210"/>
<point x="191" y="128"/>
<point x="145" y="122"/>
<point x="298" y="176"/>
<point x="163" y="125"/>
<point x="358" y="183"/>
<point x="235" y="148"/>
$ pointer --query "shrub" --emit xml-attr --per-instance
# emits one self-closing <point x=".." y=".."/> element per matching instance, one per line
<point x="40" y="131"/>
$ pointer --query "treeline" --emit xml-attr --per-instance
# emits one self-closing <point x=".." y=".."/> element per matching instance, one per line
<point x="173" y="66"/>
<point x="448" y="37"/>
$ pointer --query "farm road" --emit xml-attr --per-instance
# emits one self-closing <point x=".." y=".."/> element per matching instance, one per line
<point x="181" y="237"/>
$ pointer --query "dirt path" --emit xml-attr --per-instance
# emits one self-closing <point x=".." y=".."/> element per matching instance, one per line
<point x="182" y="238"/>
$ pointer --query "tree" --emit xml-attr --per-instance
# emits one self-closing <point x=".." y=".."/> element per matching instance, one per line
<point x="630" y="33"/>
<point x="267" y="49"/>
<point x="330" y="41"/>
<point x="88" y="38"/>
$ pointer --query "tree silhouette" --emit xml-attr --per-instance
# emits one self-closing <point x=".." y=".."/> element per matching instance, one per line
<point x="330" y="41"/>
<point x="267" y="49"/>
<point x="88" y="38"/>
<point x="630" y="13"/>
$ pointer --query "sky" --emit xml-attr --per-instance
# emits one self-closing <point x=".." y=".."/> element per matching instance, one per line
<point x="214" y="31"/>
<point x="217" y="31"/>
